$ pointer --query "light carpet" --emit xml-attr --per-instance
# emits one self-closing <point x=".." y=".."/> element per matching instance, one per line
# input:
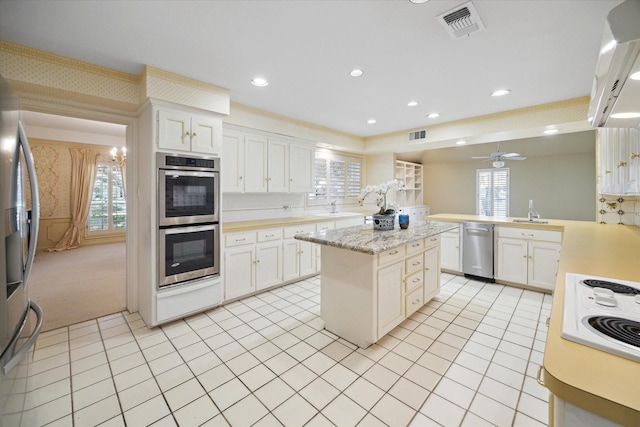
<point x="79" y="284"/>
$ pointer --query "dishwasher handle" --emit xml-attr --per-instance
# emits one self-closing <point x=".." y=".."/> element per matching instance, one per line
<point x="486" y="230"/>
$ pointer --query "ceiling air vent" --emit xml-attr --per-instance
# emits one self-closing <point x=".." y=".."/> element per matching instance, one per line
<point x="461" y="20"/>
<point x="417" y="136"/>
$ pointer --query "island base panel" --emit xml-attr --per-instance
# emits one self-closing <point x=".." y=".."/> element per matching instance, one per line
<point x="348" y="296"/>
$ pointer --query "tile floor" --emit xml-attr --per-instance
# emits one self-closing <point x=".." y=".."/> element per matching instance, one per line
<point x="469" y="357"/>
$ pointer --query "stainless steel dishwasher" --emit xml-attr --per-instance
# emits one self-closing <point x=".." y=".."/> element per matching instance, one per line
<point x="477" y="250"/>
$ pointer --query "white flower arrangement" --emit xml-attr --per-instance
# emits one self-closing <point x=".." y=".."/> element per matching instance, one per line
<point x="380" y="191"/>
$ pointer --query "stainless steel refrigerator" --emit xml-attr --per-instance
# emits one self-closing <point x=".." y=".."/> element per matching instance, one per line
<point x="20" y="318"/>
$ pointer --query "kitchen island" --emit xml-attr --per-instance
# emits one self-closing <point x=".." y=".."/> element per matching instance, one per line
<point x="373" y="280"/>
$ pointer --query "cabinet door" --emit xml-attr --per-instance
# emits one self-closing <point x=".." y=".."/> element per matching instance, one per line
<point x="306" y="258"/>
<point x="174" y="130"/>
<point x="512" y="260"/>
<point x="238" y="271"/>
<point x="431" y="273"/>
<point x="290" y="263"/>
<point x="278" y="166"/>
<point x="450" y="251"/>
<point x="301" y="160"/>
<point x="206" y="133"/>
<point x="232" y="162"/>
<point x="255" y="164"/>
<point x="268" y="264"/>
<point x="390" y="297"/>
<point x="543" y="264"/>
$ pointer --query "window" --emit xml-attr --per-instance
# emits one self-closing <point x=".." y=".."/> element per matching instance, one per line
<point x="492" y="192"/>
<point x="108" y="210"/>
<point x="336" y="177"/>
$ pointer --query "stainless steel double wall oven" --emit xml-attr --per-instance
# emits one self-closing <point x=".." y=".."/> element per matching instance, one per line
<point x="188" y="218"/>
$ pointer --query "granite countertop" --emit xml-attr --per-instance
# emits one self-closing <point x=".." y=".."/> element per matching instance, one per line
<point x="363" y="238"/>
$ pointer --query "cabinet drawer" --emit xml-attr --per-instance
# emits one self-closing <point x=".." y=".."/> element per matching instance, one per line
<point x="291" y="231"/>
<point x="416" y="246"/>
<point x="530" y="234"/>
<point x="413" y="264"/>
<point x="432" y="241"/>
<point x="238" y="239"/>
<point x="391" y="255"/>
<point x="269" y="235"/>
<point x="413" y="301"/>
<point x="414" y="281"/>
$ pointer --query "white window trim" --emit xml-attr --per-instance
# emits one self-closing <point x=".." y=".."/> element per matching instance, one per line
<point x="493" y="171"/>
<point x="329" y="155"/>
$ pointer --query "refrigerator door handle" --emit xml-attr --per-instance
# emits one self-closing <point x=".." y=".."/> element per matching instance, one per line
<point x="35" y="202"/>
<point x="17" y="356"/>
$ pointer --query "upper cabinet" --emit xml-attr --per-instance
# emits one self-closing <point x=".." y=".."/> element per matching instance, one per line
<point x="185" y="131"/>
<point x="411" y="176"/>
<point x="260" y="164"/>
<point x="619" y="161"/>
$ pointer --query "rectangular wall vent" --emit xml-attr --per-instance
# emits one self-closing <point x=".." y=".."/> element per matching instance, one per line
<point x="461" y="20"/>
<point x="417" y="136"/>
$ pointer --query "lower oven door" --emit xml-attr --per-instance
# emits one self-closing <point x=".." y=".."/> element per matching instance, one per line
<point x="187" y="253"/>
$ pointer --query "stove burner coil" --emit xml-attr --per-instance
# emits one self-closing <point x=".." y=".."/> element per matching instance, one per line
<point x="615" y="287"/>
<point x="625" y="330"/>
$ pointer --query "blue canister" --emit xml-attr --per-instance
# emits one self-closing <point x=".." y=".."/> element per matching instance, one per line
<point x="403" y="220"/>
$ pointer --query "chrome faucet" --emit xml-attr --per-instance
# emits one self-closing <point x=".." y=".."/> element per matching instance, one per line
<point x="532" y="214"/>
<point x="333" y="207"/>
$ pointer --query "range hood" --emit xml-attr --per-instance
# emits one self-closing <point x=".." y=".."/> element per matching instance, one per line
<point x="616" y="87"/>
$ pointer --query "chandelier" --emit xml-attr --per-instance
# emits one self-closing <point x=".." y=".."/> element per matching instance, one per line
<point x="119" y="156"/>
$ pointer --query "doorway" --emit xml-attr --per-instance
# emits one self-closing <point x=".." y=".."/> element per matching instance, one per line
<point x="76" y="285"/>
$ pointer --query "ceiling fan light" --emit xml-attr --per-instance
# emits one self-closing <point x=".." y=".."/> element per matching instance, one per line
<point x="498" y="164"/>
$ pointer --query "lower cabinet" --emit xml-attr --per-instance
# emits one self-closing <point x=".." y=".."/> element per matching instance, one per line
<point x="299" y="258"/>
<point x="451" y="255"/>
<point x="390" y="297"/>
<point x="528" y="257"/>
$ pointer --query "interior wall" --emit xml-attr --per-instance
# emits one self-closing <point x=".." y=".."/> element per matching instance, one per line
<point x="53" y="168"/>
<point x="562" y="185"/>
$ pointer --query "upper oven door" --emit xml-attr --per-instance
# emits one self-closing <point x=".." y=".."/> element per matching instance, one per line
<point x="187" y="197"/>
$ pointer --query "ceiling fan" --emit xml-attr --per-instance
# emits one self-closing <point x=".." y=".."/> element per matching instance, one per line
<point x="500" y="156"/>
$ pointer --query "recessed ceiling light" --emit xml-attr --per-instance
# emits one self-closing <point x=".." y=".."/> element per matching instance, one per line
<point x="635" y="76"/>
<point x="356" y="73"/>
<point x="629" y="115"/>
<point x="433" y="115"/>
<point x="461" y="142"/>
<point x="259" y="81"/>
<point x="418" y="1"/>
<point x="550" y="131"/>
<point x="412" y="104"/>
<point x="500" y="92"/>
<point x="371" y="121"/>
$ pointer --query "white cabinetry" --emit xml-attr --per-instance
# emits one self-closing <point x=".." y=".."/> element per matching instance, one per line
<point x="451" y="253"/>
<point x="252" y="261"/>
<point x="411" y="175"/>
<point x="619" y="161"/>
<point x="416" y="213"/>
<point x="528" y="256"/>
<point x="260" y="164"/>
<point x="184" y="131"/>
<point x="299" y="256"/>
<point x="366" y="296"/>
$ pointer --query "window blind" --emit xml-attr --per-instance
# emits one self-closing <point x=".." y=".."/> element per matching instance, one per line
<point x="335" y="177"/>
<point x="492" y="192"/>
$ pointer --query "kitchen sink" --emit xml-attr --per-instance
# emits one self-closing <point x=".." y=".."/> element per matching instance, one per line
<point x="532" y="221"/>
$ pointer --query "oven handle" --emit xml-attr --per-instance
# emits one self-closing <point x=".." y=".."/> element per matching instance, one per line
<point x="189" y="229"/>
<point x="176" y="173"/>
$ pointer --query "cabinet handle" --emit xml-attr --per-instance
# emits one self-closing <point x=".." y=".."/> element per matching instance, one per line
<point x="634" y="156"/>
<point x="415" y="245"/>
<point x="621" y="164"/>
<point x="527" y="235"/>
<point x="240" y="177"/>
<point x="530" y="257"/>
<point x="426" y="268"/>
<point x="269" y="235"/>
<point x="187" y="133"/>
<point x="414" y="302"/>
<point x="195" y="134"/>
<point x="524" y="256"/>
<point x="416" y="280"/>
<point x="547" y="322"/>
<point x="433" y="239"/>
<point x="538" y="375"/>
<point x="393" y="252"/>
<point x="416" y="263"/>
<point x="607" y="171"/>
<point x="241" y="240"/>
<point x="290" y="179"/>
